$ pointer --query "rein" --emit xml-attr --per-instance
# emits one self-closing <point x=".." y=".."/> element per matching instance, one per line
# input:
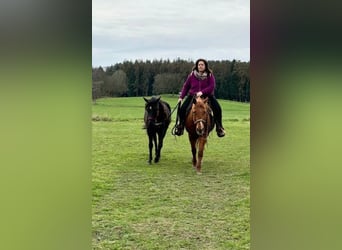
<point x="177" y="106"/>
<point x="177" y="118"/>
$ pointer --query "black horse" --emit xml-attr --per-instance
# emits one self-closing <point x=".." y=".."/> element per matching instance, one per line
<point x="157" y="119"/>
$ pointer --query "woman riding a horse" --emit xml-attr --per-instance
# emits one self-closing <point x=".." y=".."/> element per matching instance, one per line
<point x="200" y="82"/>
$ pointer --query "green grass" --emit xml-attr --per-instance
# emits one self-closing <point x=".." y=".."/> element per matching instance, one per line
<point x="167" y="205"/>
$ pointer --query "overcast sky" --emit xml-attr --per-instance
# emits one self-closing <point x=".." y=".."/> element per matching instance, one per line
<point x="158" y="29"/>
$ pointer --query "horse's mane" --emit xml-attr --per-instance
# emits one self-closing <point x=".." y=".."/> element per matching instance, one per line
<point x="201" y="103"/>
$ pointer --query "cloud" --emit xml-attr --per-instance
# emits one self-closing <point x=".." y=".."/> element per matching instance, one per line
<point x="129" y="30"/>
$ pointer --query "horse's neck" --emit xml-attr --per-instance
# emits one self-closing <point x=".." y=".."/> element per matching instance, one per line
<point x="206" y="108"/>
<point x="163" y="110"/>
<point x="194" y="106"/>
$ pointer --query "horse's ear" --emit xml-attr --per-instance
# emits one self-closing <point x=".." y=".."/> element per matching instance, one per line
<point x="145" y="99"/>
<point x="194" y="100"/>
<point x="158" y="98"/>
<point x="205" y="100"/>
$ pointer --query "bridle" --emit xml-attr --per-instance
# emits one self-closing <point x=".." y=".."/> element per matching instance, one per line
<point x="154" y="118"/>
<point x="199" y="120"/>
<point x="203" y="122"/>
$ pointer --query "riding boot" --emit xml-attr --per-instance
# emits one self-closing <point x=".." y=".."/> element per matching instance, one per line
<point x="219" y="129"/>
<point x="179" y="129"/>
<point x="217" y="116"/>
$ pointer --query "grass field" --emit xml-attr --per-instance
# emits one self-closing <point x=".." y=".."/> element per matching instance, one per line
<point x="167" y="205"/>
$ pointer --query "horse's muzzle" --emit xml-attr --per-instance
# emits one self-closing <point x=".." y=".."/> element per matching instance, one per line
<point x="200" y="128"/>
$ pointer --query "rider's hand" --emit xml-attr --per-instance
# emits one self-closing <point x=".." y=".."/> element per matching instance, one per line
<point x="179" y="100"/>
<point x="199" y="93"/>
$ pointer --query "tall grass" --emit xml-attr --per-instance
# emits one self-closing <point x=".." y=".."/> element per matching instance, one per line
<point x="167" y="205"/>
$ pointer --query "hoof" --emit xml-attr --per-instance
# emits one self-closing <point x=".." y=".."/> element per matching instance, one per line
<point x="149" y="162"/>
<point x="199" y="172"/>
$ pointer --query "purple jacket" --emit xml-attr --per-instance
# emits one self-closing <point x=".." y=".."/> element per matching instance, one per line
<point x="193" y="85"/>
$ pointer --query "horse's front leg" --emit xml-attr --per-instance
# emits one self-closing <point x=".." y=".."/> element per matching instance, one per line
<point x="158" y="147"/>
<point x="155" y="145"/>
<point x="161" y="136"/>
<point x="150" y="146"/>
<point x="201" y="145"/>
<point x="193" y="149"/>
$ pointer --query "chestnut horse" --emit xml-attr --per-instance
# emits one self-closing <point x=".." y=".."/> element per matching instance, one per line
<point x="198" y="124"/>
<point x="157" y="119"/>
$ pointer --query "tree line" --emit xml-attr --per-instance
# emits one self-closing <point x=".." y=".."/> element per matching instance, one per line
<point x="146" y="78"/>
